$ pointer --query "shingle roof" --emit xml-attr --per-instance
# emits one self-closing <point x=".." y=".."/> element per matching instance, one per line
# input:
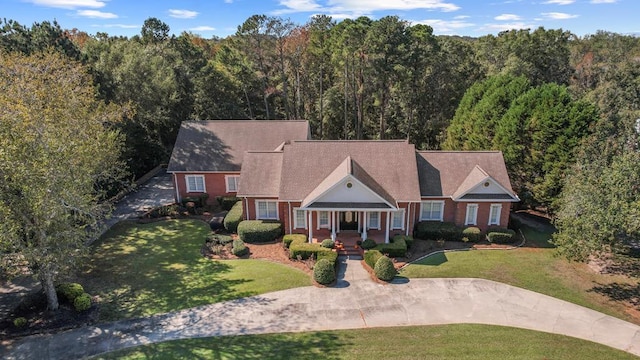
<point x="220" y="145"/>
<point x="391" y="164"/>
<point x="445" y="173"/>
<point x="267" y="182"/>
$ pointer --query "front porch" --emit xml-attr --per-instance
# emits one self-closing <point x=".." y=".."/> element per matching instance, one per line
<point x="348" y="238"/>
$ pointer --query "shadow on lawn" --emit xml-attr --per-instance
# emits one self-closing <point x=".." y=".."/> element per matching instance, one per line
<point x="620" y="292"/>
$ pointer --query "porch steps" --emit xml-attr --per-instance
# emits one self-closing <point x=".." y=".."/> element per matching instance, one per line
<point x="350" y="252"/>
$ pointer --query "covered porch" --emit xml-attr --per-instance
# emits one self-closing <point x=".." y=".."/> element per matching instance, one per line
<point x="347" y="225"/>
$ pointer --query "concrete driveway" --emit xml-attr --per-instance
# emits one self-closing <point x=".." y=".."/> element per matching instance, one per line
<point x="356" y="302"/>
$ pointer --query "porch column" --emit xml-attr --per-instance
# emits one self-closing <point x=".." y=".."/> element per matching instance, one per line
<point x="310" y="226"/>
<point x="333" y="225"/>
<point x="386" y="234"/>
<point x="365" y="224"/>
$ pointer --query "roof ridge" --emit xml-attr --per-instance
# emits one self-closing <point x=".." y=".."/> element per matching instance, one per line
<point x="458" y="151"/>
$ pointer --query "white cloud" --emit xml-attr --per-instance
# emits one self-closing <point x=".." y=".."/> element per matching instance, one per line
<point x="182" y="14"/>
<point x="560" y="2"/>
<point x="363" y="6"/>
<point x="508" y="26"/>
<point x="300" y="5"/>
<point x="203" y="28"/>
<point x="508" y="17"/>
<point x="444" y="26"/>
<point x="69" y="4"/>
<point x="460" y="17"/>
<point x="558" y="16"/>
<point x="120" y="26"/>
<point x="604" y="1"/>
<point x="96" y="14"/>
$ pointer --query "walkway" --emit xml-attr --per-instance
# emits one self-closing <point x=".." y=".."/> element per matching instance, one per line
<point x="356" y="302"/>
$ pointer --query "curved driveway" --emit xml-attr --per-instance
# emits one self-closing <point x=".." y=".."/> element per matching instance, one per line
<point x="356" y="302"/>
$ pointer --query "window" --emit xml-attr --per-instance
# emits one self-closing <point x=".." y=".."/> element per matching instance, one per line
<point x="472" y="214"/>
<point x="323" y="219"/>
<point x="494" y="214"/>
<point x="374" y="220"/>
<point x="232" y="182"/>
<point x="266" y="210"/>
<point x="299" y="219"/>
<point x="397" y="221"/>
<point x="432" y="210"/>
<point x="195" y="183"/>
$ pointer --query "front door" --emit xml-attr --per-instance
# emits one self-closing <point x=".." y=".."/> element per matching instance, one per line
<point x="348" y="220"/>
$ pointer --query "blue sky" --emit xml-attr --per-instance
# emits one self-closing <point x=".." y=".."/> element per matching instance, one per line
<point x="222" y="17"/>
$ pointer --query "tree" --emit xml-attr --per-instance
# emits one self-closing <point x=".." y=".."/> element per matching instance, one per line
<point x="56" y="147"/>
<point x="154" y="31"/>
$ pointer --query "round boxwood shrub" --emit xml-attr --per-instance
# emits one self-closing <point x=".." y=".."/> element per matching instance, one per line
<point x="324" y="272"/>
<point x="368" y="244"/>
<point x="328" y="243"/>
<point x="20" y="322"/>
<point x="70" y="291"/>
<point x="239" y="248"/>
<point x="384" y="269"/>
<point x="82" y="302"/>
<point x="472" y="234"/>
<point x="371" y="257"/>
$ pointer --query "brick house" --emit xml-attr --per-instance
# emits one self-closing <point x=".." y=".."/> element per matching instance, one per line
<point x="325" y="188"/>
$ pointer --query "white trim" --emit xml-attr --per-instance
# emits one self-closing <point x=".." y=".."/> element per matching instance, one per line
<point x="226" y="182"/>
<point x="393" y="214"/>
<point x="295" y="219"/>
<point x="258" y="217"/>
<point x="429" y="198"/>
<point x="377" y="227"/>
<point x="290" y="220"/>
<point x="188" y="188"/>
<point x="386" y="233"/>
<point x="350" y="178"/>
<point x="475" y="215"/>
<point x="513" y="196"/>
<point x="203" y="172"/>
<point x="435" y="202"/>
<point x="328" y="224"/>
<point x="498" y="210"/>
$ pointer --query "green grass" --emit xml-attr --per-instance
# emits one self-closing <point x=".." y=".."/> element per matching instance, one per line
<point x="534" y="267"/>
<point x="144" y="269"/>
<point x="462" y="341"/>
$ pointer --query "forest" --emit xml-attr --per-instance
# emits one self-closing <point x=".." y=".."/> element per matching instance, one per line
<point x="564" y="109"/>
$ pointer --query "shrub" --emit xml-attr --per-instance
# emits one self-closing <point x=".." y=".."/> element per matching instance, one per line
<point x="408" y="239"/>
<point x="259" y="231"/>
<point x="328" y="243"/>
<point x="371" y="257"/>
<point x="82" y="302"/>
<point x="289" y="238"/>
<point x="233" y="217"/>
<point x="368" y="244"/>
<point x="398" y="248"/>
<point x="219" y="239"/>
<point x="70" y="291"/>
<point x="19" y="322"/>
<point x="239" y="248"/>
<point x="435" y="230"/>
<point x="331" y="256"/>
<point x="199" y="200"/>
<point x="324" y="272"/>
<point x="384" y="269"/>
<point x="227" y="202"/>
<point x="500" y="235"/>
<point x="472" y="234"/>
<point x="304" y="250"/>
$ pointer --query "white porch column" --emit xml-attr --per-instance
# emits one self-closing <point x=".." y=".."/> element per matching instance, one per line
<point x="310" y="225"/>
<point x="386" y="234"/>
<point x="333" y="225"/>
<point x="365" y="225"/>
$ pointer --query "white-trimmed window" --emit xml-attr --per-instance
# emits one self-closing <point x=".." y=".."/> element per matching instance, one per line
<point x="432" y="210"/>
<point x="374" y="220"/>
<point x="232" y="182"/>
<point x="323" y="219"/>
<point x="472" y="215"/>
<point x="266" y="210"/>
<point x="195" y="183"/>
<point x="397" y="221"/>
<point x="494" y="214"/>
<point x="299" y="219"/>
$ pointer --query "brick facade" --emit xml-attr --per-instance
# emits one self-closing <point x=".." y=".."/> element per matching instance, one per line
<point x="214" y="183"/>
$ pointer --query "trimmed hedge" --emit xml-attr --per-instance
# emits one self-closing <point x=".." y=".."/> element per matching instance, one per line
<point x="328" y="243"/>
<point x="436" y="230"/>
<point x="368" y="244"/>
<point x="239" y="248"/>
<point x="472" y="234"/>
<point x="396" y="248"/>
<point x="305" y="250"/>
<point x="233" y="217"/>
<point x="328" y="255"/>
<point x="408" y="239"/>
<point x="69" y="291"/>
<point x="82" y="302"/>
<point x="227" y="202"/>
<point x="289" y="238"/>
<point x="259" y="231"/>
<point x="371" y="257"/>
<point x="384" y="269"/>
<point x="500" y="235"/>
<point x="324" y="272"/>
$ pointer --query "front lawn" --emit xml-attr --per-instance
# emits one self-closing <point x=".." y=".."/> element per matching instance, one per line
<point x="144" y="269"/>
<point x="461" y="341"/>
<point x="533" y="267"/>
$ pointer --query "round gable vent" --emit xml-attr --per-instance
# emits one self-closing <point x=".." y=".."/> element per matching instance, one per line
<point x="349" y="185"/>
<point x="486" y="184"/>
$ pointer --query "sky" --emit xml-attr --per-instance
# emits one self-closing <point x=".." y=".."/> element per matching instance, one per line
<point x="221" y="18"/>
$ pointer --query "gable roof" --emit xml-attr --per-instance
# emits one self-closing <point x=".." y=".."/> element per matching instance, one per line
<point x="386" y="167"/>
<point x="267" y="183"/>
<point x="220" y="145"/>
<point x="453" y="173"/>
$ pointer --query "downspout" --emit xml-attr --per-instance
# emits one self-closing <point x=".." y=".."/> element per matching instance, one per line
<point x="408" y="218"/>
<point x="290" y="228"/>
<point x="175" y="183"/>
<point x="246" y="206"/>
